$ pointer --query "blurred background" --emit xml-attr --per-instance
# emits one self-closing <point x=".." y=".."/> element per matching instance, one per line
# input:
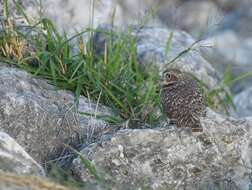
<point x="198" y="17"/>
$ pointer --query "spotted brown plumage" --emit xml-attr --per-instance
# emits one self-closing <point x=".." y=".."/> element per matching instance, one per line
<point x="182" y="99"/>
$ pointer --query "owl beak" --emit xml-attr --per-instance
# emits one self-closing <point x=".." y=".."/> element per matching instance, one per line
<point x="165" y="83"/>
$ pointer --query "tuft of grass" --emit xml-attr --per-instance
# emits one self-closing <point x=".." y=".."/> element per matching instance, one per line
<point x="115" y="76"/>
<point x="12" y="46"/>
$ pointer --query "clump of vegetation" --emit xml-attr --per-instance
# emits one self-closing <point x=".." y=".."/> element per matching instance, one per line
<point x="114" y="79"/>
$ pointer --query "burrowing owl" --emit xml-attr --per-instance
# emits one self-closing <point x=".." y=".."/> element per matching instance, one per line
<point x="182" y="99"/>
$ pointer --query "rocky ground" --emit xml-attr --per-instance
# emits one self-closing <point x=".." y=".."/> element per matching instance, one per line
<point x="39" y="121"/>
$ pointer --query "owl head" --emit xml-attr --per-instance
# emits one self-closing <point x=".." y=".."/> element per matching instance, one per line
<point x="171" y="77"/>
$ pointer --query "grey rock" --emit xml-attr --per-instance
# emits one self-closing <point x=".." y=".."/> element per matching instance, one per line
<point x="230" y="51"/>
<point x="206" y="17"/>
<point x="152" y="49"/>
<point x="41" y="118"/>
<point x="199" y="18"/>
<point x="243" y="103"/>
<point x="162" y="158"/>
<point x="13" y="158"/>
<point x="230" y="47"/>
<point x="245" y="16"/>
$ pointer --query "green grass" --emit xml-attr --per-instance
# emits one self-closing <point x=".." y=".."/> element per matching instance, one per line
<point x="114" y="78"/>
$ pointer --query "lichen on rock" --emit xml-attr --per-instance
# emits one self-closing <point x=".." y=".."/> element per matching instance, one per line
<point x="165" y="159"/>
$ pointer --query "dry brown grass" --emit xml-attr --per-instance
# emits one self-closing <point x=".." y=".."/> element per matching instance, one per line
<point x="27" y="182"/>
<point x="12" y="46"/>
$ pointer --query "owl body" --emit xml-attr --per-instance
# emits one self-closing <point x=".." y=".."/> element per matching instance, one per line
<point x="182" y="99"/>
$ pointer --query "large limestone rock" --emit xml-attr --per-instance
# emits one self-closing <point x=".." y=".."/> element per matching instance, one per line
<point x="160" y="158"/>
<point x="40" y="117"/>
<point x="13" y="158"/>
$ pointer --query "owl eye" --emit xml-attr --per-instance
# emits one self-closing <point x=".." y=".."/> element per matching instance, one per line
<point x="168" y="76"/>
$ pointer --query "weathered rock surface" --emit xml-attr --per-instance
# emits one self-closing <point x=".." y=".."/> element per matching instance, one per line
<point x="220" y="157"/>
<point x="243" y="103"/>
<point x="41" y="118"/>
<point x="10" y="181"/>
<point x="13" y="158"/>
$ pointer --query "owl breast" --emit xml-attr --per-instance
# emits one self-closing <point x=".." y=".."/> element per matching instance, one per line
<point x="183" y="102"/>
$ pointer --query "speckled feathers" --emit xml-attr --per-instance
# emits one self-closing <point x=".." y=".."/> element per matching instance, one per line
<point x="182" y="99"/>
